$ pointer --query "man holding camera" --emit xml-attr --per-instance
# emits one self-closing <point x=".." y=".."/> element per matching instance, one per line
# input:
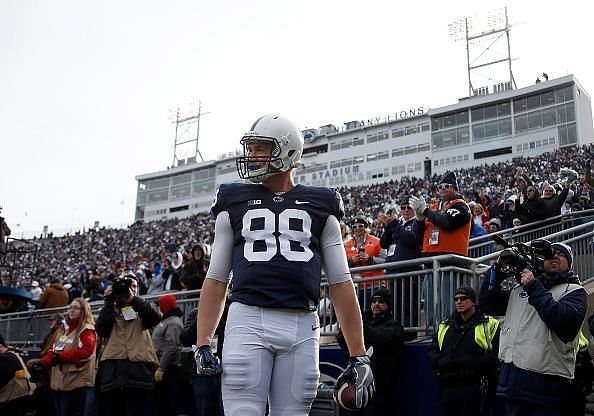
<point x="540" y="333"/>
<point x="127" y="362"/>
<point x="364" y="250"/>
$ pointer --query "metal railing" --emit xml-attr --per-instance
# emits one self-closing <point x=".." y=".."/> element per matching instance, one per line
<point x="483" y="245"/>
<point x="422" y="289"/>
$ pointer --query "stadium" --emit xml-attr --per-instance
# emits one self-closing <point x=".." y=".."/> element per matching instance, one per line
<point x="418" y="142"/>
<point x="489" y="140"/>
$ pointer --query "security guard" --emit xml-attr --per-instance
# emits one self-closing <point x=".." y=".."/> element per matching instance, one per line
<point x="581" y="385"/>
<point x="464" y="355"/>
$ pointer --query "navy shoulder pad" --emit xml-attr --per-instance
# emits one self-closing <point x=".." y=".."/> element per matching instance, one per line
<point x="225" y="194"/>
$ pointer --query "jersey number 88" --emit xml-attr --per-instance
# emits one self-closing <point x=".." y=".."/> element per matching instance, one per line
<point x="273" y="243"/>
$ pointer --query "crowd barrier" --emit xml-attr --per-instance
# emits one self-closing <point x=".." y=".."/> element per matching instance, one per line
<point x="422" y="290"/>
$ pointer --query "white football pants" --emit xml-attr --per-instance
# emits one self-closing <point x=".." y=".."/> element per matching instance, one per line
<point x="270" y="354"/>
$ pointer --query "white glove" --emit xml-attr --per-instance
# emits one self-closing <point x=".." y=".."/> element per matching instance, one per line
<point x="419" y="205"/>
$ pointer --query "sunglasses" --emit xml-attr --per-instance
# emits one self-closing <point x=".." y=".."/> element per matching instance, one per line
<point x="377" y="300"/>
<point x="548" y="191"/>
<point x="357" y="226"/>
<point x="405" y="207"/>
<point x="460" y="298"/>
<point x="444" y="186"/>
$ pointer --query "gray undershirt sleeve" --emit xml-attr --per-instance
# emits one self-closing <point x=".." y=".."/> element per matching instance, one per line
<point x="334" y="258"/>
<point x="221" y="259"/>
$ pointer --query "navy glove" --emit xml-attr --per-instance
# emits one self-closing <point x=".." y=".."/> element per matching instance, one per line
<point x="206" y="363"/>
<point x="359" y="372"/>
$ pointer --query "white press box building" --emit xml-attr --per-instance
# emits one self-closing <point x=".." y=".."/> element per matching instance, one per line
<point x="485" y="128"/>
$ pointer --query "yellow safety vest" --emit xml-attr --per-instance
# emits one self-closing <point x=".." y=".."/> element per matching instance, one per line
<point x="483" y="333"/>
<point x="583" y="342"/>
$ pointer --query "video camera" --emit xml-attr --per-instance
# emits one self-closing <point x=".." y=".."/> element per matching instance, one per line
<point x="121" y="286"/>
<point x="519" y="256"/>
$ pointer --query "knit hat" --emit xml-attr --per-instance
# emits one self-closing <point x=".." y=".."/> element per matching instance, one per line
<point x="167" y="303"/>
<point x="467" y="291"/>
<point x="450" y="178"/>
<point x="566" y="250"/>
<point x="383" y="294"/>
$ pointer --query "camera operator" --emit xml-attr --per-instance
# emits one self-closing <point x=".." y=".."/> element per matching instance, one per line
<point x="128" y="361"/>
<point x="540" y="333"/>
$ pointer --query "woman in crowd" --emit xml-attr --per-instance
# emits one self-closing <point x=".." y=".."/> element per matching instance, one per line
<point x="479" y="217"/>
<point x="72" y="362"/>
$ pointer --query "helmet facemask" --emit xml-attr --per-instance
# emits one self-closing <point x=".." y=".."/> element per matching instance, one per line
<point x="248" y="166"/>
<point x="286" y="144"/>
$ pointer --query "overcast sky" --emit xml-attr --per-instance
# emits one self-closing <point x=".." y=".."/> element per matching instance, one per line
<point x="86" y="87"/>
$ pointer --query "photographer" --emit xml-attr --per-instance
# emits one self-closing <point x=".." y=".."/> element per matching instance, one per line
<point x="539" y="336"/>
<point x="16" y="389"/>
<point x="364" y="249"/>
<point x="128" y="361"/>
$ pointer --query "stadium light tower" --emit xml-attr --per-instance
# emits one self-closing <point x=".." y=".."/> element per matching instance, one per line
<point x="485" y="47"/>
<point x="187" y="131"/>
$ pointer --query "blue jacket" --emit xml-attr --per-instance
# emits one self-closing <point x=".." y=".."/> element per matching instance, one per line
<point x="409" y="242"/>
<point x="563" y="317"/>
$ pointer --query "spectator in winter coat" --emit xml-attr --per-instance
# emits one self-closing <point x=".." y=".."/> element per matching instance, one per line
<point x="72" y="362"/>
<point x="553" y="200"/>
<point x="478" y="215"/>
<point x="539" y="335"/>
<point x="128" y="361"/>
<point x="386" y="336"/>
<point x="168" y="349"/>
<point x="496" y="206"/>
<point x="533" y="207"/>
<point x="207" y="389"/>
<point x="16" y="389"/>
<point x="156" y="283"/>
<point x="171" y="273"/>
<point x="54" y="296"/>
<point x="464" y="355"/>
<point x="404" y="241"/>
<point x="194" y="271"/>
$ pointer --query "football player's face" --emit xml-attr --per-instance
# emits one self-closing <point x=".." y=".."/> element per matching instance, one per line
<point x="258" y="153"/>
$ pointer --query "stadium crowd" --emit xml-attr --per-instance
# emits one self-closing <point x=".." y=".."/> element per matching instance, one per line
<point x="81" y="264"/>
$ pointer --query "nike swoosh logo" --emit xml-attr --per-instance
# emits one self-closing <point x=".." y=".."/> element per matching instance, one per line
<point x="298" y="202"/>
<point x="313" y="327"/>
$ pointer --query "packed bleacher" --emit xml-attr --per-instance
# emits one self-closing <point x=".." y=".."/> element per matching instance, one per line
<point x="84" y="261"/>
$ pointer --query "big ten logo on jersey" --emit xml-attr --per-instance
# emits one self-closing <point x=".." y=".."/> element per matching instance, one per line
<point x="287" y="233"/>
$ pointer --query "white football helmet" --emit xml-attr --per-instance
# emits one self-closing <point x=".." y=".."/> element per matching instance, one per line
<point x="287" y="147"/>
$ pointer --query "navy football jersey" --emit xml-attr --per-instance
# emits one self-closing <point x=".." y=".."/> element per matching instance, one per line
<point x="276" y="254"/>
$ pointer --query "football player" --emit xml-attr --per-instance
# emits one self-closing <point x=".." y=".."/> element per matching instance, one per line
<point x="275" y="236"/>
